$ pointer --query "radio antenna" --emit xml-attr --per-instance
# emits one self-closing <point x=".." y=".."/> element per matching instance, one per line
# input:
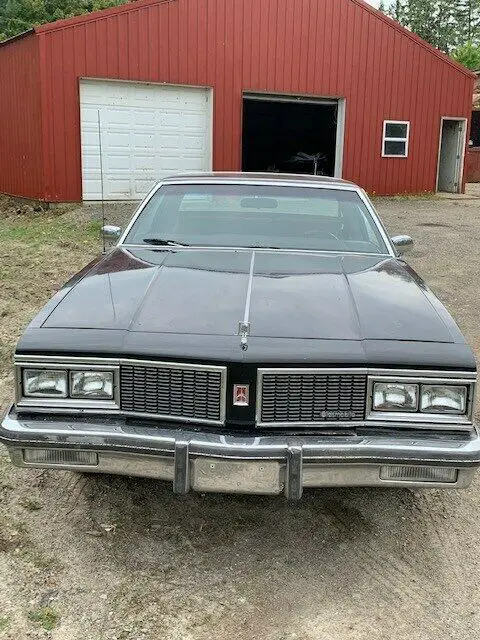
<point x="101" y="178"/>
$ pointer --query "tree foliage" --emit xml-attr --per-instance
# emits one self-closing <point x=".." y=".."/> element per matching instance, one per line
<point x="468" y="55"/>
<point x="469" y="14"/>
<point x="20" y="15"/>
<point x="447" y="24"/>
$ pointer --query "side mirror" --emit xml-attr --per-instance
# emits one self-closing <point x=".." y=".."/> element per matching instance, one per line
<point x="111" y="232"/>
<point x="402" y="244"/>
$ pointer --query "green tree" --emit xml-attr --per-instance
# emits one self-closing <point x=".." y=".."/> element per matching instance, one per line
<point x="469" y="20"/>
<point x="468" y="55"/>
<point x="396" y="9"/>
<point x="436" y="21"/>
<point x="19" y="15"/>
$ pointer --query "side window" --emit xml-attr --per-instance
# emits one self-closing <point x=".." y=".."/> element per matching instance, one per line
<point x="395" y="139"/>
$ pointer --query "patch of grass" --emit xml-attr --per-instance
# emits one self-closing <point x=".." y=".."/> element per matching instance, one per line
<point x="40" y="230"/>
<point x="39" y="559"/>
<point x="47" y="617"/>
<point x="12" y="534"/>
<point x="40" y="252"/>
<point x="31" y="504"/>
<point x="20" y="527"/>
<point x="4" y="623"/>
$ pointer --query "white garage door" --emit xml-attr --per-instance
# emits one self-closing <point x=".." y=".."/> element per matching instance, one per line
<point x="147" y="131"/>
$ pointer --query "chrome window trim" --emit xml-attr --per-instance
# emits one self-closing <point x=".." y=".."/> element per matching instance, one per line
<point x="138" y="211"/>
<point x="110" y="407"/>
<point x="214" y="247"/>
<point x="377" y="221"/>
<point x="382" y="419"/>
<point x="225" y="179"/>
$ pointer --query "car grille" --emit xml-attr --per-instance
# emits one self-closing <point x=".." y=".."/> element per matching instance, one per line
<point x="176" y="392"/>
<point x="309" y="398"/>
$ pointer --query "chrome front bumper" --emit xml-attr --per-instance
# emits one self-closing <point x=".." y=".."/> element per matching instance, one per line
<point x="271" y="464"/>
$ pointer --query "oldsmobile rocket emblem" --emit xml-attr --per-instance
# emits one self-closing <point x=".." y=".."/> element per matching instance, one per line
<point x="241" y="394"/>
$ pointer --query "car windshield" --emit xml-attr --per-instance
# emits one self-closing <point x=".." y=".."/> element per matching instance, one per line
<point x="257" y="216"/>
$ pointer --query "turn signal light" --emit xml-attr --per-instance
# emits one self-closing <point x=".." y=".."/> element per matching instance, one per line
<point x="61" y="457"/>
<point x="413" y="473"/>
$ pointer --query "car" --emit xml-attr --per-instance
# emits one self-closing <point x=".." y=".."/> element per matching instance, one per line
<point x="248" y="333"/>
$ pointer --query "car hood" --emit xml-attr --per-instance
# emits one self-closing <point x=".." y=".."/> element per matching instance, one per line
<point x="285" y="294"/>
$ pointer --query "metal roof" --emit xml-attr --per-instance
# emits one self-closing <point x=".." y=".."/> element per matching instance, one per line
<point x="19" y="36"/>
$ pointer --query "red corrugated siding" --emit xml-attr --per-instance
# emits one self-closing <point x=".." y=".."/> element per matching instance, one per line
<point x="473" y="165"/>
<point x="332" y="48"/>
<point x="21" y="167"/>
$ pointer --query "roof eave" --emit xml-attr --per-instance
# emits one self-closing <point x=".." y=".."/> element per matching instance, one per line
<point x="19" y="36"/>
<point x="101" y="14"/>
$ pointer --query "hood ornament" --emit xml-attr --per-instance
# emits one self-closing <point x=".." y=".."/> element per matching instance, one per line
<point x="244" y="325"/>
<point x="244" y="332"/>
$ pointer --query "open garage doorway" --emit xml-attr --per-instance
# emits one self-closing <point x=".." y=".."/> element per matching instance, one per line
<point x="286" y="134"/>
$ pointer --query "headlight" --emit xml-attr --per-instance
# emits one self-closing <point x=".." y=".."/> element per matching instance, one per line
<point x="395" y="396"/>
<point x="66" y="383"/>
<point x="421" y="399"/>
<point x="443" y="399"/>
<point x="91" y="384"/>
<point x="48" y="383"/>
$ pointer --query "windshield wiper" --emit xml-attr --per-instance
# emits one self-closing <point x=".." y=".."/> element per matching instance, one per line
<point x="263" y="246"/>
<point x="161" y="242"/>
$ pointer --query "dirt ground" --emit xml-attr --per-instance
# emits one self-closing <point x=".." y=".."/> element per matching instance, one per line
<point x="113" y="558"/>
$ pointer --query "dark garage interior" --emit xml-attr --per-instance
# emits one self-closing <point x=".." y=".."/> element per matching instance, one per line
<point x="475" y="130"/>
<point x="289" y="136"/>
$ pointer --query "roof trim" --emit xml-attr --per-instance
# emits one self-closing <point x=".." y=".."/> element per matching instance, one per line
<point x="131" y="5"/>
<point x="19" y="36"/>
<point x="413" y="36"/>
<point x="255" y="176"/>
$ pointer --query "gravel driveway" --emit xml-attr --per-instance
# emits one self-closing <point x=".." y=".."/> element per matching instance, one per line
<point x="104" y="558"/>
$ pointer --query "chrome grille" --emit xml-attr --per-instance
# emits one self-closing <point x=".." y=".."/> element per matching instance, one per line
<point x="176" y="392"/>
<point x="310" y="397"/>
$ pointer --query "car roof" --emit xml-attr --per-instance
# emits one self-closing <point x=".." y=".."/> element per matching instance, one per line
<point x="252" y="178"/>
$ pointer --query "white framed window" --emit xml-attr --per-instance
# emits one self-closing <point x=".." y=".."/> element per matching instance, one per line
<point x="396" y="134"/>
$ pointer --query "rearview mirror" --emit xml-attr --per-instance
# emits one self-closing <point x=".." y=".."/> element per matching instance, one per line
<point x="111" y="232"/>
<point x="402" y="244"/>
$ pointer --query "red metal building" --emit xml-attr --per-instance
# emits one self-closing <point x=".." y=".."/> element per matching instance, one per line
<point x="473" y="155"/>
<point x="226" y="84"/>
